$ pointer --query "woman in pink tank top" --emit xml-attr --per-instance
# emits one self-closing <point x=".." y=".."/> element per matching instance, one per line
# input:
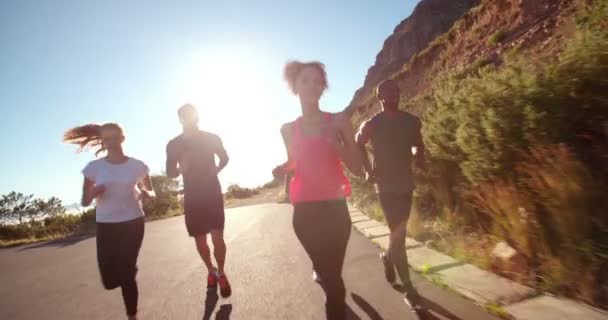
<point x="318" y="144"/>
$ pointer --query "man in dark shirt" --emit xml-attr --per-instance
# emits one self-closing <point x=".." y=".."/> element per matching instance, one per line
<point x="392" y="134"/>
<point x="195" y="151"/>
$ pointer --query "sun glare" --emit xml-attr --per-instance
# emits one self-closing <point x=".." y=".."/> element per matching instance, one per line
<point x="235" y="93"/>
<point x="225" y="87"/>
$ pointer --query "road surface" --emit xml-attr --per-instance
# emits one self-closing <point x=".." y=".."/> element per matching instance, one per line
<point x="269" y="271"/>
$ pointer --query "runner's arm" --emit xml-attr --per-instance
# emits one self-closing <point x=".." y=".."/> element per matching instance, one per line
<point x="350" y="153"/>
<point x="287" y="166"/>
<point x="146" y="188"/>
<point x="222" y="154"/>
<point x="171" y="165"/>
<point x="419" y="157"/>
<point x="362" y="138"/>
<point x="87" y="194"/>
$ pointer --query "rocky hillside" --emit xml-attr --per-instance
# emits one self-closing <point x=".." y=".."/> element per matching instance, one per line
<point x="447" y="34"/>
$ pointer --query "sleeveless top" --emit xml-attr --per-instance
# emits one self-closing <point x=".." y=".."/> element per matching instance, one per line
<point x="319" y="174"/>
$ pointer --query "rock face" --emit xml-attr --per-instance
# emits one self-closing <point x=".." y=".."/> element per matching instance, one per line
<point x="441" y="35"/>
<point x="429" y="19"/>
<point x="505" y="259"/>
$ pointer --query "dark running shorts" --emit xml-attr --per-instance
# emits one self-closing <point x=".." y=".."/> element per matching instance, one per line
<point x="396" y="207"/>
<point x="204" y="214"/>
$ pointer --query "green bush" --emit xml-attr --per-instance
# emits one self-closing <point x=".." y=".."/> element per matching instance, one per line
<point x="486" y="123"/>
<point x="272" y="184"/>
<point x="518" y="153"/>
<point x="88" y="216"/>
<point x="38" y="229"/>
<point x="237" y="192"/>
<point x="555" y="215"/>
<point x="50" y="227"/>
<point x="62" y="224"/>
<point x="525" y="146"/>
<point x="18" y="231"/>
<point x="166" y="197"/>
<point x="497" y="37"/>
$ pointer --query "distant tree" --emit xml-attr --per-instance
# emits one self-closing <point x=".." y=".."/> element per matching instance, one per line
<point x="41" y="208"/>
<point x="15" y="206"/>
<point x="4" y="213"/>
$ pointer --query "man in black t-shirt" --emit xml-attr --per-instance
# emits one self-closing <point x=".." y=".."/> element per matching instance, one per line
<point x="392" y="134"/>
<point x="195" y="151"/>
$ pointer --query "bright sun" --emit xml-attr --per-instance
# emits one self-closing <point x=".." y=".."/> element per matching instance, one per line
<point x="236" y="95"/>
<point x="225" y="87"/>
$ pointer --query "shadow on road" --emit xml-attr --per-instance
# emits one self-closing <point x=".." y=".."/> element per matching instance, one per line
<point x="224" y="312"/>
<point x="430" y="310"/>
<point x="59" y="243"/>
<point x="366" y="307"/>
<point x="351" y="315"/>
<point x="211" y="302"/>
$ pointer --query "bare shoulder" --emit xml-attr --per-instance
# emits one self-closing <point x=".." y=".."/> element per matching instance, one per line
<point x="341" y="119"/>
<point x="286" y="128"/>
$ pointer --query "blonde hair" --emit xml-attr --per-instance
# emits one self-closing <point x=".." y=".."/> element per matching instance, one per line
<point x="89" y="136"/>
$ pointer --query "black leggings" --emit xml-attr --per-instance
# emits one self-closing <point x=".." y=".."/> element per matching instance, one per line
<point x="117" y="249"/>
<point x="323" y="228"/>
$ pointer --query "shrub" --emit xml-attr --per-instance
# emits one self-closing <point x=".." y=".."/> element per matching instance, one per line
<point x="88" y="216"/>
<point x="497" y="37"/>
<point x="62" y="224"/>
<point x="518" y="152"/>
<point x="17" y="231"/>
<point x="237" y="192"/>
<point x="166" y="197"/>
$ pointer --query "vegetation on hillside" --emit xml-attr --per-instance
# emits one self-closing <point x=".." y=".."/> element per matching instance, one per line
<point x="518" y="153"/>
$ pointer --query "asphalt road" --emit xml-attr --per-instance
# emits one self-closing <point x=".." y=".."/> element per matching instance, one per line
<point x="269" y="271"/>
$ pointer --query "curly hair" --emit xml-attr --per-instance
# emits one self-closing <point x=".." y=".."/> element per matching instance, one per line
<point x="294" y="68"/>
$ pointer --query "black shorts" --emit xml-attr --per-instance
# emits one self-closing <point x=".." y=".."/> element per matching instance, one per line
<point x="204" y="213"/>
<point x="396" y="207"/>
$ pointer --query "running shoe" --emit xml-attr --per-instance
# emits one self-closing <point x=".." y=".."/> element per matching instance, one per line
<point x="412" y="299"/>
<point x="225" y="289"/>
<point x="316" y="277"/>
<point x="389" y="268"/>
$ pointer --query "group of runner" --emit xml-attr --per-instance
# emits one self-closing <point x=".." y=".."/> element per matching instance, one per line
<point x="318" y="145"/>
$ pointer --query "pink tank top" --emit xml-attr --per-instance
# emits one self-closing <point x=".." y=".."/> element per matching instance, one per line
<point x="318" y="169"/>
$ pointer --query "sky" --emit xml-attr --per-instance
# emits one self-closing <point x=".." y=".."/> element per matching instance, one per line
<point x="66" y="63"/>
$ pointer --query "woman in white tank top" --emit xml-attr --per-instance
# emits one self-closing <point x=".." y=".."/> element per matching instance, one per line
<point x="118" y="184"/>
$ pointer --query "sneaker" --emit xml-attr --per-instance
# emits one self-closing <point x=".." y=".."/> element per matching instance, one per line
<point x="412" y="299"/>
<point x="212" y="280"/>
<point x="225" y="289"/>
<point x="316" y="277"/>
<point x="389" y="268"/>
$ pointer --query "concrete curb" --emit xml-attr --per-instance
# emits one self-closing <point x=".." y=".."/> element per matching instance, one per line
<point x="483" y="287"/>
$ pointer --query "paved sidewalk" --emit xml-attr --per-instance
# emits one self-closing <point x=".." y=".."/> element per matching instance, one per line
<point x="482" y="286"/>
